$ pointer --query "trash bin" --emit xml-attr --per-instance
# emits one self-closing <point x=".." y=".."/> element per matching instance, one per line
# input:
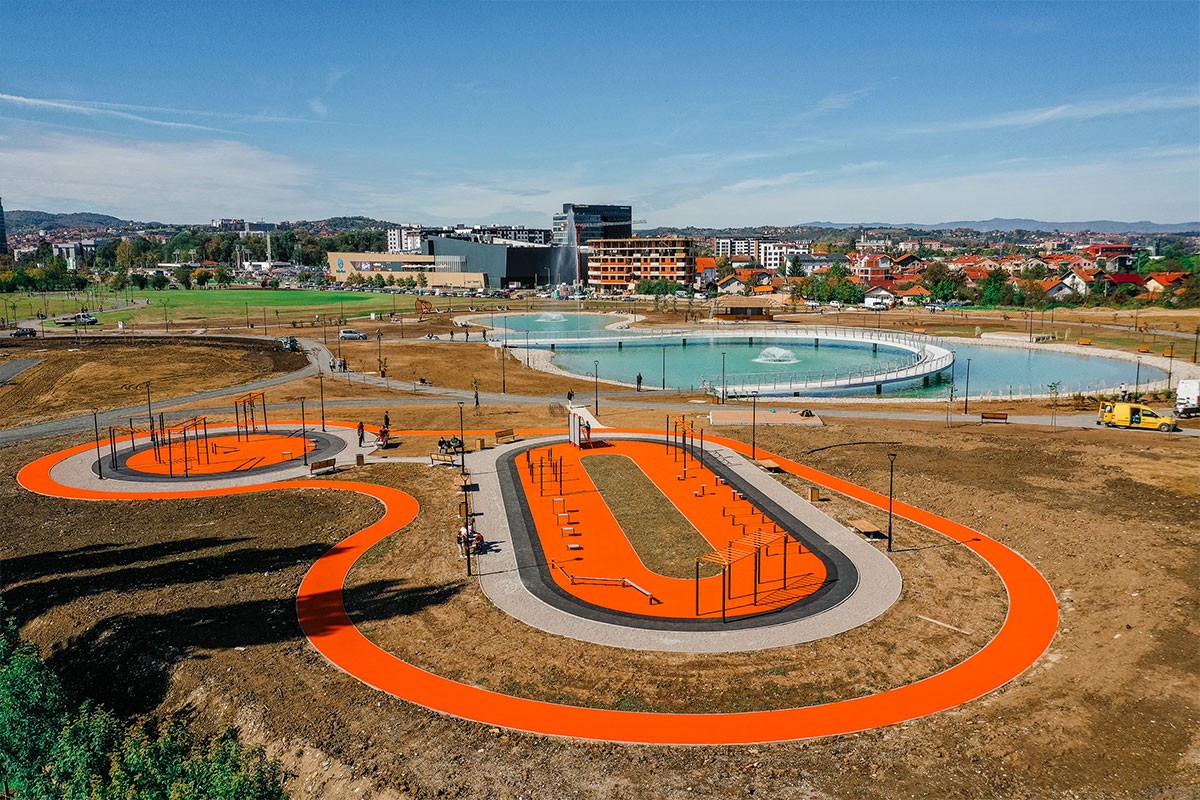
<point x="814" y="494"/>
<point x="480" y="444"/>
<point x="360" y="460"/>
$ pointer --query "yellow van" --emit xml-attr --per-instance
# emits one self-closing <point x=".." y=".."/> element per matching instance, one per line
<point x="1133" y="415"/>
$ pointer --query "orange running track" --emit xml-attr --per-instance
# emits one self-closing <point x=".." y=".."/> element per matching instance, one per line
<point x="605" y="552"/>
<point x="1027" y="631"/>
<point x="227" y="453"/>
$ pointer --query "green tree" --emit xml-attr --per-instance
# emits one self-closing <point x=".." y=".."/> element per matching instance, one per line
<point x="81" y="756"/>
<point x="158" y="281"/>
<point x="795" y="268"/>
<point x="31" y="709"/>
<point x="202" y="276"/>
<point x="224" y="276"/>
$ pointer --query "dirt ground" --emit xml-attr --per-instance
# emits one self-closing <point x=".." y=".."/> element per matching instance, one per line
<point x="75" y="377"/>
<point x="187" y="608"/>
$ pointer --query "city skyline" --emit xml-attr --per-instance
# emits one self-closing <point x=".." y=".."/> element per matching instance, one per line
<point x="717" y="114"/>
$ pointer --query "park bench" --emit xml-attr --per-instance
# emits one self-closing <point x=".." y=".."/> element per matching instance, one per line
<point x="993" y="416"/>
<point x="918" y="330"/>
<point x="1085" y="342"/>
<point x="320" y="466"/>
<point x="442" y="458"/>
<point x="868" y="529"/>
<point x="1144" y="348"/>
<point x="769" y="465"/>
<point x="503" y="437"/>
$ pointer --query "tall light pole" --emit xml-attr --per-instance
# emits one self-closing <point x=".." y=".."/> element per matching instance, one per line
<point x="96" y="429"/>
<point x="303" y="434"/>
<point x="462" y="442"/>
<point x="724" y="388"/>
<point x="596" y="388"/>
<point x="504" y="368"/>
<point x="753" y="425"/>
<point x="967" y="389"/>
<point x="247" y="304"/>
<point x="1137" y="381"/>
<point x="321" y="383"/>
<point x="891" y="484"/>
<point x="664" y="367"/>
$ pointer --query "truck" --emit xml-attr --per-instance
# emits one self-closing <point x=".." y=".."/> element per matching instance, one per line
<point x="82" y="318"/>
<point x="1187" y="398"/>
<point x="1133" y="415"/>
<point x="876" y="304"/>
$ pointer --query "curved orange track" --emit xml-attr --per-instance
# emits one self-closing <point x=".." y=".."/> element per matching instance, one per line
<point x="1027" y="631"/>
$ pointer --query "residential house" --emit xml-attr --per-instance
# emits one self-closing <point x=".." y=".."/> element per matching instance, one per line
<point x="1160" y="283"/>
<point x="880" y="293"/>
<point x="736" y="308"/>
<point x="913" y="296"/>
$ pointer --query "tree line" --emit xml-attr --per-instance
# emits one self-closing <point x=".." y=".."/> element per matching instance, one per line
<point x="53" y="750"/>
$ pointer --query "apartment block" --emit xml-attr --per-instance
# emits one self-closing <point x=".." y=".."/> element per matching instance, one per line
<point x="614" y="265"/>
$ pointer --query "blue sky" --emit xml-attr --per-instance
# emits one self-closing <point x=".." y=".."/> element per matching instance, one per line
<point x="713" y="114"/>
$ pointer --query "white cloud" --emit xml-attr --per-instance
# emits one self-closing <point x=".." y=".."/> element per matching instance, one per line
<point x="98" y="110"/>
<point x="169" y="181"/>
<point x="1161" y="190"/>
<point x="1068" y="112"/>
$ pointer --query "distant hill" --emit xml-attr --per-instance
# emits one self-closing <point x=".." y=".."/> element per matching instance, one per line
<point x="24" y="221"/>
<point x="1009" y="225"/>
<point x="340" y="224"/>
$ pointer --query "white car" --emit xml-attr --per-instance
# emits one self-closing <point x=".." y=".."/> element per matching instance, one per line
<point x="349" y="334"/>
<point x="835" y="304"/>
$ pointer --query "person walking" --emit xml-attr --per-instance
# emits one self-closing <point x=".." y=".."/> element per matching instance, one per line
<point x="570" y="396"/>
<point x="361" y="433"/>
<point x="477" y="398"/>
<point x="387" y="420"/>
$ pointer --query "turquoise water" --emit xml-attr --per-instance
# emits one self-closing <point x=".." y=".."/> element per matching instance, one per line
<point x="556" y="322"/>
<point x="995" y="371"/>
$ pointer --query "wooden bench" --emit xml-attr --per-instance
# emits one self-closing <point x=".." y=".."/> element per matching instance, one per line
<point x="918" y="330"/>
<point x="868" y="529"/>
<point x="993" y="416"/>
<point x="442" y="458"/>
<point x="769" y="465"/>
<point x="503" y="437"/>
<point x="320" y="466"/>
<point x="1085" y="342"/>
<point x="1144" y="348"/>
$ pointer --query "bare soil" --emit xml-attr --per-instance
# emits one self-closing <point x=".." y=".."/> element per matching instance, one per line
<point x="164" y="608"/>
<point x="76" y="376"/>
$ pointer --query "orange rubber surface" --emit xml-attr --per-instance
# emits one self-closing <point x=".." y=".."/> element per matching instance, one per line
<point x="226" y="454"/>
<point x="1027" y="631"/>
<point x="594" y="553"/>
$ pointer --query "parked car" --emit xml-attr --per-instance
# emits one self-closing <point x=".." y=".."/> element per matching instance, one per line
<point x="24" y="332"/>
<point x="349" y="335"/>
<point x="1133" y="415"/>
<point x="835" y="304"/>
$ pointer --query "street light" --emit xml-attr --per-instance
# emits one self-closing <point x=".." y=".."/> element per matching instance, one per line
<point x="967" y="389"/>
<point x="891" y="484"/>
<point x="1137" y="382"/>
<point x="303" y="434"/>
<point x="664" y="367"/>
<point x="753" y="425"/>
<point x="462" y="442"/>
<point x="724" y="387"/>
<point x="96" y="429"/>
<point x="321" y="383"/>
<point x="596" y="388"/>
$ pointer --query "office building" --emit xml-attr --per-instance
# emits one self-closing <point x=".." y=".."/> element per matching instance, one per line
<point x="580" y="223"/>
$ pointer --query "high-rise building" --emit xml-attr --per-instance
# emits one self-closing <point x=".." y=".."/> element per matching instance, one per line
<point x="579" y="223"/>
<point x="615" y="265"/>
<point x="3" y="231"/>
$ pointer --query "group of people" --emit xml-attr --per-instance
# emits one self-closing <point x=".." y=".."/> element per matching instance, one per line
<point x="337" y="365"/>
<point x="451" y="445"/>
<point x="469" y="540"/>
<point x="382" y="438"/>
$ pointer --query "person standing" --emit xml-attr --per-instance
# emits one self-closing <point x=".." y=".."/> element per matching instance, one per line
<point x="387" y="420"/>
<point x="361" y="433"/>
<point x="477" y="398"/>
<point x="1124" y="392"/>
<point x="570" y="396"/>
<point x="639" y="381"/>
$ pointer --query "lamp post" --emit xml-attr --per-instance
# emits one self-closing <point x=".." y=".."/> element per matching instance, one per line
<point x="753" y="425"/>
<point x="664" y="367"/>
<point x="596" y="388"/>
<point x="96" y="430"/>
<point x="379" y="349"/>
<point x="1137" y="381"/>
<point x="891" y="484"/>
<point x="967" y="389"/>
<point x="462" y="442"/>
<point x="247" y="304"/>
<point x="321" y="383"/>
<point x="1196" y="344"/>
<point x="724" y="388"/>
<point x="303" y="434"/>
<point x="504" y="368"/>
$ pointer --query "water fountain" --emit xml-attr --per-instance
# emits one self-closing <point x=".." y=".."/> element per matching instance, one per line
<point x="776" y="355"/>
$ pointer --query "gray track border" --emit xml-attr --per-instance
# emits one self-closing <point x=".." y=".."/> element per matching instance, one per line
<point x="503" y="572"/>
